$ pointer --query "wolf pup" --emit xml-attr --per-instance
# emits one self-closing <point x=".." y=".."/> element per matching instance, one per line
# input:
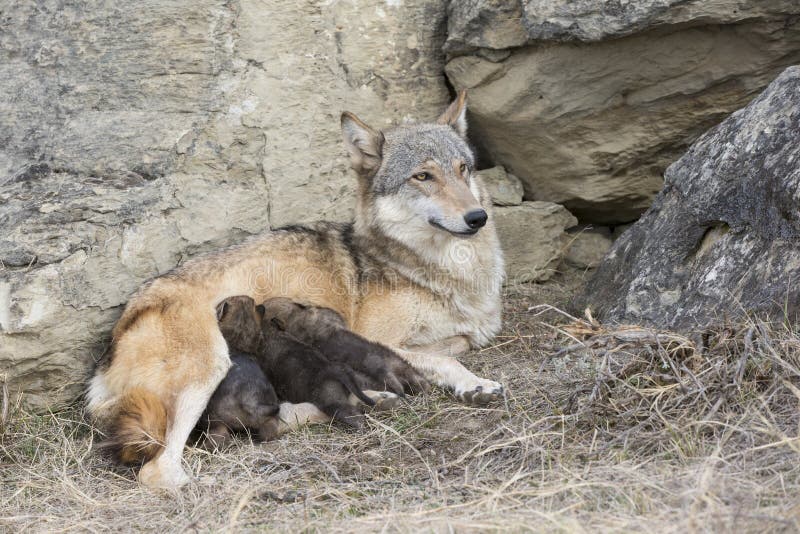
<point x="298" y="372"/>
<point x="419" y="269"/>
<point x="377" y="367"/>
<point x="244" y="401"/>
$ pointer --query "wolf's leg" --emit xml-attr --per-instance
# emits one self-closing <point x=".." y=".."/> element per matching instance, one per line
<point x="292" y="416"/>
<point x="451" y="346"/>
<point x="447" y="372"/>
<point x="165" y="470"/>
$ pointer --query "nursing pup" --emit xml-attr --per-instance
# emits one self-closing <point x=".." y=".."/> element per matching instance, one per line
<point x="377" y="367"/>
<point x="298" y="372"/>
<point x="244" y="401"/>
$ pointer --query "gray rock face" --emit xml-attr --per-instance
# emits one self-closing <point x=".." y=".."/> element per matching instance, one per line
<point x="131" y="138"/>
<point x="723" y="236"/>
<point x="588" y="102"/>
<point x="505" y="189"/>
<point x="533" y="238"/>
<point x="511" y="23"/>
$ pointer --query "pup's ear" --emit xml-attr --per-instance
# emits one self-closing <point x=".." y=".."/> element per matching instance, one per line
<point x="364" y="144"/>
<point x="261" y="310"/>
<point x="222" y="309"/>
<point x="455" y="115"/>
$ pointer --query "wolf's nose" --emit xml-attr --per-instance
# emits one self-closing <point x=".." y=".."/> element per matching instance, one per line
<point x="476" y="219"/>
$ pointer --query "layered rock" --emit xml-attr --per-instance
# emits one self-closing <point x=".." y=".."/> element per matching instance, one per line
<point x="133" y="138"/>
<point x="588" y="102"/>
<point x="722" y="239"/>
<point x="532" y="234"/>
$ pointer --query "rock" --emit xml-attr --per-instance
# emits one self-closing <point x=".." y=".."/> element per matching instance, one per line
<point x="501" y="24"/>
<point x="505" y="189"/>
<point x="532" y="238"/>
<point x="722" y="239"/>
<point x="592" y="104"/>
<point x="490" y="24"/>
<point x="587" y="246"/>
<point x="136" y="138"/>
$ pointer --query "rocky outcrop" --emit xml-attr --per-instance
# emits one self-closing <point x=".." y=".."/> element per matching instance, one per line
<point x="588" y="102"/>
<point x="131" y="138"/>
<point x="532" y="234"/>
<point x="722" y="239"/>
<point x="533" y="238"/>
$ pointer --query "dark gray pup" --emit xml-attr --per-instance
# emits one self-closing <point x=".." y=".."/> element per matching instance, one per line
<point x="377" y="367"/>
<point x="299" y="372"/>
<point x="244" y="401"/>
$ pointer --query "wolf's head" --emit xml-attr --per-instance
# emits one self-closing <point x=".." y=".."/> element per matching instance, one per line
<point x="416" y="179"/>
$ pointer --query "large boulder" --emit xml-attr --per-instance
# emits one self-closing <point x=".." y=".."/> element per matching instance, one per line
<point x="132" y="137"/>
<point x="722" y="239"/>
<point x="588" y="102"/>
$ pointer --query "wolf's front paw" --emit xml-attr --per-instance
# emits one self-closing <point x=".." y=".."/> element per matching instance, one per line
<point x="155" y="474"/>
<point x="482" y="392"/>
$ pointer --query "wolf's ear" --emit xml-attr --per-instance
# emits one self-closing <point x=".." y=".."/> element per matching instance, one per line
<point x="456" y="114"/>
<point x="364" y="144"/>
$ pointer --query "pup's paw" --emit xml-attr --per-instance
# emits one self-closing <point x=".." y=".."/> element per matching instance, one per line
<point x="155" y="474"/>
<point x="417" y="383"/>
<point x="482" y="392"/>
<point x="412" y="381"/>
<point x="384" y="400"/>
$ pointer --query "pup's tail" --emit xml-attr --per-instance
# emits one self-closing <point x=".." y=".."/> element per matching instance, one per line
<point x="138" y="428"/>
<point x="346" y="377"/>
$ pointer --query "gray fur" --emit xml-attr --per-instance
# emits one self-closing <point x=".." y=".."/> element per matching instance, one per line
<point x="408" y="146"/>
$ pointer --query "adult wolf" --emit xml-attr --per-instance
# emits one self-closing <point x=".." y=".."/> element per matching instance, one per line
<point x="420" y="270"/>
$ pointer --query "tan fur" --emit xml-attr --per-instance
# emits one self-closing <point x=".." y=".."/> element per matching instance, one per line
<point x="138" y="430"/>
<point x="421" y="291"/>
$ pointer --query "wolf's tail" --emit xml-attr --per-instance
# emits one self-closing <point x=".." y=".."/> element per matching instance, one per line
<point x="138" y="429"/>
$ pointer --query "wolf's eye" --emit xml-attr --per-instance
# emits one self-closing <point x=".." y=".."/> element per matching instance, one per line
<point x="422" y="176"/>
<point x="463" y="168"/>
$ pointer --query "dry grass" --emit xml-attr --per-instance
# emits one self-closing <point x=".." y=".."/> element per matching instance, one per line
<point x="609" y="429"/>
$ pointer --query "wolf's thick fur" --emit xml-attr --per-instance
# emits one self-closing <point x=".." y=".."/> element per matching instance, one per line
<point x="410" y="272"/>
<point x="140" y="424"/>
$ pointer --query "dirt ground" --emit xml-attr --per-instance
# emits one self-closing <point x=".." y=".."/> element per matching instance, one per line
<point x="602" y="430"/>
